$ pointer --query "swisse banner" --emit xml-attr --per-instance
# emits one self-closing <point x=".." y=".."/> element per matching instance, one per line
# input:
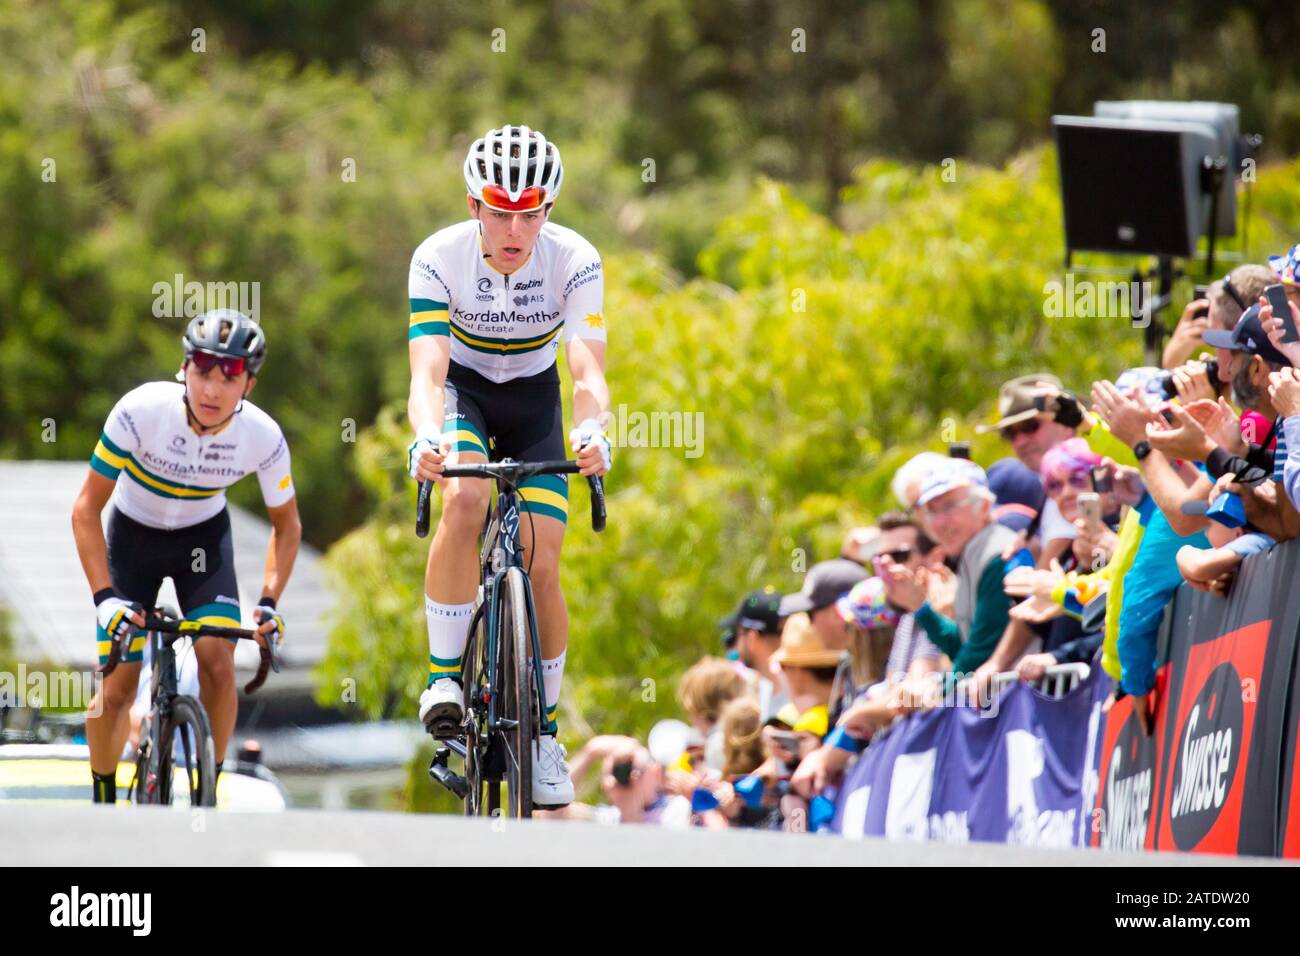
<point x="1231" y="665"/>
<point x="1128" y="770"/>
<point x="1289" y="825"/>
<point x="1020" y="773"/>
<point x="1210" y="778"/>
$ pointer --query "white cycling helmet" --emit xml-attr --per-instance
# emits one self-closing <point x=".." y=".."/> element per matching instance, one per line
<point x="514" y="168"/>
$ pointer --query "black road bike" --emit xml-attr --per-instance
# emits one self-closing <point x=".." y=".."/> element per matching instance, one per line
<point x="177" y="723"/>
<point x="504" y="704"/>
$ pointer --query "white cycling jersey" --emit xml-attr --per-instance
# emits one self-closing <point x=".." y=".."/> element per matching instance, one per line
<point x="169" y="477"/>
<point x="506" y="326"/>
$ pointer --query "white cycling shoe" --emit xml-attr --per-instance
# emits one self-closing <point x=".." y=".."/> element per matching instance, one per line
<point x="551" y="784"/>
<point x="441" y="709"/>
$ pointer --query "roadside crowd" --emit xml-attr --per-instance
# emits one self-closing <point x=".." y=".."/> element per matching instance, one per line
<point x="1067" y="551"/>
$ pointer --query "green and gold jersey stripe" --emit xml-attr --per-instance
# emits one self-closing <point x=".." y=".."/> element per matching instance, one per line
<point x="109" y="460"/>
<point x="492" y="345"/>
<point x="423" y="321"/>
<point x="167" y="489"/>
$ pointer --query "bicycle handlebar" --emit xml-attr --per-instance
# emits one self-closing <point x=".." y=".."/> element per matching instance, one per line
<point x="162" y="622"/>
<point x="512" y="471"/>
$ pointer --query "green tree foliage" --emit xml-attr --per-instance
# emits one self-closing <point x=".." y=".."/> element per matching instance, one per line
<point x="309" y="147"/>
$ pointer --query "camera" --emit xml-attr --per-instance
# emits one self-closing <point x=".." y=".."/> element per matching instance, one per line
<point x="1167" y="381"/>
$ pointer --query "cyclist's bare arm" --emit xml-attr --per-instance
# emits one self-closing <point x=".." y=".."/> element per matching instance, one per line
<point x="430" y="358"/>
<point x="586" y="359"/>
<point x="88" y="529"/>
<point x="286" y="535"/>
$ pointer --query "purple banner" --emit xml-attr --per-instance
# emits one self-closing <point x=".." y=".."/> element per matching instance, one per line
<point x="1024" y="771"/>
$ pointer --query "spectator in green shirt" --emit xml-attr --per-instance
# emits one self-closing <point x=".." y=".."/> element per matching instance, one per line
<point x="956" y="510"/>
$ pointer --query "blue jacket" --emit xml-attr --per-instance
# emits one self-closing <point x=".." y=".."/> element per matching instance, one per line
<point x="1148" y="586"/>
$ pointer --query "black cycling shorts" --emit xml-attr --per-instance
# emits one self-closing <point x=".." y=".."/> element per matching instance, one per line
<point x="521" y="419"/>
<point x="199" y="559"/>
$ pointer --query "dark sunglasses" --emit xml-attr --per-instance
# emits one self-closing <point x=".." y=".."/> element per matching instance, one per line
<point x="898" y="555"/>
<point x="1023" y="428"/>
<point x="1229" y="288"/>
<point x="1080" y="480"/>
<point x="231" y="366"/>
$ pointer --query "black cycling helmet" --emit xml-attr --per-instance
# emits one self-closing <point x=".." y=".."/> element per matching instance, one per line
<point x="227" y="332"/>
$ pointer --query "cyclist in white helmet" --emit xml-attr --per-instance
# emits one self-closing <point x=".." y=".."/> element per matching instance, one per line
<point x="491" y="299"/>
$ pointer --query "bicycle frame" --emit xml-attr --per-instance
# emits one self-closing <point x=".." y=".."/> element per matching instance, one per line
<point x="501" y="551"/>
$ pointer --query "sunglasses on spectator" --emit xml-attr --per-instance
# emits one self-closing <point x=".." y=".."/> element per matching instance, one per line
<point x="898" y="555"/>
<point x="1233" y="294"/>
<point x="1022" y="428"/>
<point x="1079" y="480"/>
<point x="231" y="366"/>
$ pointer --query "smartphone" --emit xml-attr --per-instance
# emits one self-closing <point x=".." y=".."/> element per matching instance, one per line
<point x="1198" y="293"/>
<point x="1102" y="482"/>
<point x="1089" y="503"/>
<point x="959" y="449"/>
<point x="787" y="740"/>
<point x="1282" y="309"/>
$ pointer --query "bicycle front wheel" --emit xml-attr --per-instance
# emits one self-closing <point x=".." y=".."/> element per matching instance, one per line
<point x="186" y="746"/>
<point x="519" y="695"/>
<point x="475" y="679"/>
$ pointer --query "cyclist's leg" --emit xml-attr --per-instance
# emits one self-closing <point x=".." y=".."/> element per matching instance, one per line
<point x="544" y="501"/>
<point x="208" y="591"/>
<point x="131" y="568"/>
<point x="451" y="574"/>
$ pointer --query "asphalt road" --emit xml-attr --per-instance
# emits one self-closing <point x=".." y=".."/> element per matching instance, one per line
<point x="71" y="835"/>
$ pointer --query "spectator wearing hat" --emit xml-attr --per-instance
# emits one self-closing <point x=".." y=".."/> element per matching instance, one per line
<point x="1286" y="269"/>
<point x="956" y="510"/>
<point x="1246" y="358"/>
<point x="1225" y="300"/>
<point x="1018" y="496"/>
<point x="727" y="634"/>
<point x="822" y="587"/>
<point x="1035" y="413"/>
<point x="807" y="663"/>
<point x="907" y="480"/>
<point x="758" y="636"/>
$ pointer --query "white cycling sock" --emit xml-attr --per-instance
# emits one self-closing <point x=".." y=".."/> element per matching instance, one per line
<point x="552" y="678"/>
<point x="448" y="631"/>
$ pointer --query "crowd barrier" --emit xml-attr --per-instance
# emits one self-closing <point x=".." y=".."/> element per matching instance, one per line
<point x="1048" y="766"/>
